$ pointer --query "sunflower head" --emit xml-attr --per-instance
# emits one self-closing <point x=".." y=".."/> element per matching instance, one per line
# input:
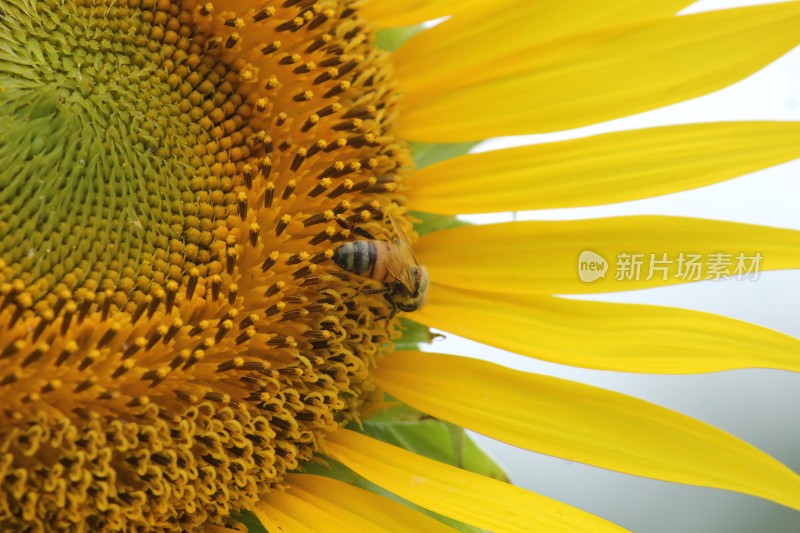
<point x="176" y="176"/>
<point x="203" y="249"/>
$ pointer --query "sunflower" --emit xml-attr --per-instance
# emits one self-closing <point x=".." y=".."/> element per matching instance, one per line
<point x="182" y="344"/>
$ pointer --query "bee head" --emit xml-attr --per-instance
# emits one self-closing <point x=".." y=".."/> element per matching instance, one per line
<point x="421" y="282"/>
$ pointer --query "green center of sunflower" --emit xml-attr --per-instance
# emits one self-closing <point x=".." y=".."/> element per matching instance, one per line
<point x="174" y="179"/>
<point x="103" y="158"/>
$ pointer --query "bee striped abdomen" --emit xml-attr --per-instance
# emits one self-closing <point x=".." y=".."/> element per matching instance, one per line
<point x="365" y="258"/>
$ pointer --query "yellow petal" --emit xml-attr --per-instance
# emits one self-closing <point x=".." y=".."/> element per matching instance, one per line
<point x="458" y="494"/>
<point x="382" y="14"/>
<point x="583" y="423"/>
<point x="324" y="504"/>
<point x="614" y="167"/>
<point x="484" y="33"/>
<point x="536" y="257"/>
<point x="545" y="19"/>
<point x="609" y="336"/>
<point x="284" y="512"/>
<point x="596" y="76"/>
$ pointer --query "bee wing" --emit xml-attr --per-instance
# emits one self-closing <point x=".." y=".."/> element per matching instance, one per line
<point x="402" y="236"/>
<point x="402" y="267"/>
<point x="401" y="271"/>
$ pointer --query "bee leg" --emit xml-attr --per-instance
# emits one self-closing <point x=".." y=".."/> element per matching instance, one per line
<point x="355" y="229"/>
<point x="362" y="290"/>
<point x="386" y="291"/>
<point x="382" y="290"/>
<point x="392" y="303"/>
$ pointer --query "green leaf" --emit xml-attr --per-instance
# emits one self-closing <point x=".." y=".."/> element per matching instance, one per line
<point x="390" y="39"/>
<point x="476" y="460"/>
<point x="414" y="334"/>
<point x="430" y="437"/>
<point x="426" y="154"/>
<point x="425" y="223"/>
<point x="250" y="521"/>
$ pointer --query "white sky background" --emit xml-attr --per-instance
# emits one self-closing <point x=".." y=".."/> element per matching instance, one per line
<point x="760" y="406"/>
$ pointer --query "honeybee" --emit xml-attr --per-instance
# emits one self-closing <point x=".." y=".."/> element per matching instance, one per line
<point x="405" y="282"/>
